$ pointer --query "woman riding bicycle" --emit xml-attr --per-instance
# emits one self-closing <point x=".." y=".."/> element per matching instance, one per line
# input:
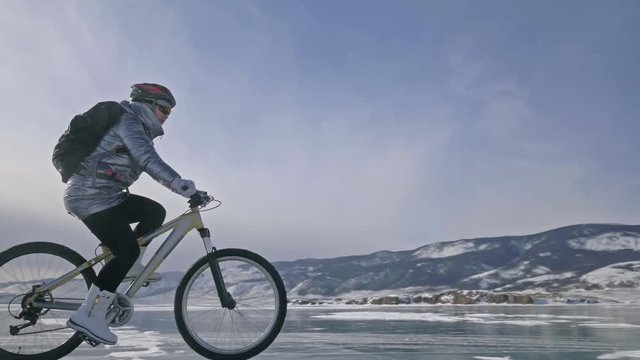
<point x="98" y="195"/>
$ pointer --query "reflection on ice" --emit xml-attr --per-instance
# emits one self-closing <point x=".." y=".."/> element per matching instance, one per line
<point x="621" y="355"/>
<point x="133" y="344"/>
<point x="610" y="325"/>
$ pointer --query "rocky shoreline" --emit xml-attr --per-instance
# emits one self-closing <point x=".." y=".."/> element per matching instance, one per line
<point x="453" y="297"/>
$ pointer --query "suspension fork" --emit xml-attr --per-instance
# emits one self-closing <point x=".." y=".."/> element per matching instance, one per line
<point x="226" y="300"/>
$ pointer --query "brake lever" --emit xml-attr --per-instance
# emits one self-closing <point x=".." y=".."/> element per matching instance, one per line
<point x="208" y="200"/>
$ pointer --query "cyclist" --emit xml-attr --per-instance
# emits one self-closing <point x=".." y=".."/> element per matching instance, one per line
<point x="98" y="195"/>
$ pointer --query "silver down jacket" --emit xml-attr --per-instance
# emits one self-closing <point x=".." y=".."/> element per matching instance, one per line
<point x="125" y="151"/>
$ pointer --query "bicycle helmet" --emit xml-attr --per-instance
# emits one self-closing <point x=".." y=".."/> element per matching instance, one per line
<point x="153" y="93"/>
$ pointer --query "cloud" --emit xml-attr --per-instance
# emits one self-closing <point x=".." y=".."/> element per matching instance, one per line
<point x="506" y="110"/>
<point x="324" y="184"/>
<point x="280" y="167"/>
<point x="318" y="143"/>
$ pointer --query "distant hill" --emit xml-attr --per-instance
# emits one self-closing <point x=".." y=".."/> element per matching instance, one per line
<point x="588" y="256"/>
<point x="568" y="259"/>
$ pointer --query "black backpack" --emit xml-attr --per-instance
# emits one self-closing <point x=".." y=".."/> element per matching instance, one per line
<point x="83" y="135"/>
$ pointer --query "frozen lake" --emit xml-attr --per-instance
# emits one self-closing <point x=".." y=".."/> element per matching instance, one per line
<point x="567" y="332"/>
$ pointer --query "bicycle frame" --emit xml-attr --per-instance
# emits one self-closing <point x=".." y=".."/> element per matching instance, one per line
<point x="179" y="227"/>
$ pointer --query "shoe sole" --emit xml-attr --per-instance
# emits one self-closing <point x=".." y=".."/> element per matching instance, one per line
<point x="82" y="329"/>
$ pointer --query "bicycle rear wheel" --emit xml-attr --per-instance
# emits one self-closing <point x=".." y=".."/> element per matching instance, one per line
<point x="240" y="333"/>
<point x="21" y="268"/>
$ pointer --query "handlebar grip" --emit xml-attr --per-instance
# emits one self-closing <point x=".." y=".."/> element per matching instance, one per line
<point x="198" y="198"/>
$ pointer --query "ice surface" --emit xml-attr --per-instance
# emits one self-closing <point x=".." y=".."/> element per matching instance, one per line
<point x="610" y="325"/>
<point x="576" y="332"/>
<point x="621" y="355"/>
<point x="134" y="344"/>
<point x="479" y="318"/>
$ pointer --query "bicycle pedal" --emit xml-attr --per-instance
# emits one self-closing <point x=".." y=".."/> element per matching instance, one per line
<point x="89" y="340"/>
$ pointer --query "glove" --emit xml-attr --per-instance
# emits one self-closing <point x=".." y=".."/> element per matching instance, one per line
<point x="199" y="198"/>
<point x="183" y="187"/>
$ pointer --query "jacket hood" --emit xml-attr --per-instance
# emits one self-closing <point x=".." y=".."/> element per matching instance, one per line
<point x="146" y="115"/>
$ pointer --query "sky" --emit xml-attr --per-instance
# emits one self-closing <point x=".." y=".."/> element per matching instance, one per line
<point x="333" y="128"/>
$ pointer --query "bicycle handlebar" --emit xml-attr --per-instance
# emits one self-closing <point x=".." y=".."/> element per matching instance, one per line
<point x="200" y="199"/>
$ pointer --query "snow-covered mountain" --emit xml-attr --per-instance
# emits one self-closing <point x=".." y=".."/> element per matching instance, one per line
<point x="589" y="256"/>
<point x="568" y="259"/>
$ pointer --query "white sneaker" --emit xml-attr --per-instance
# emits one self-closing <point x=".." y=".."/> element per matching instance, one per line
<point x="90" y="318"/>
<point x="137" y="269"/>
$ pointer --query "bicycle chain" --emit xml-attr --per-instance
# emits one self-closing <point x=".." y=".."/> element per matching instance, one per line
<point x="41" y="331"/>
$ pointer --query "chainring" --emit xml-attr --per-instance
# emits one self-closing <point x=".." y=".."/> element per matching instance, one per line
<point x="121" y="311"/>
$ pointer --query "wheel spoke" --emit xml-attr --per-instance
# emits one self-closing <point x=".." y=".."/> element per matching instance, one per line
<point x="21" y="268"/>
<point x="248" y="328"/>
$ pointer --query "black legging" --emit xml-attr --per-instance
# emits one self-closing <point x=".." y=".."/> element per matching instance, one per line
<point x="112" y="227"/>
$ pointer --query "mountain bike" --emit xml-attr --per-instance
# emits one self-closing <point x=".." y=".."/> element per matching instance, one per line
<point x="231" y="303"/>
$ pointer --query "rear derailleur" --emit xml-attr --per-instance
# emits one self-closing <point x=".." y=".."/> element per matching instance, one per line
<point x="29" y="313"/>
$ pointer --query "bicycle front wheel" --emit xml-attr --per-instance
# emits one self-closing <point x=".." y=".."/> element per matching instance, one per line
<point x="33" y="333"/>
<point x="216" y="332"/>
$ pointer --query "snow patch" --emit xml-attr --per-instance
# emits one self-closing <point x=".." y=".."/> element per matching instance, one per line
<point x="442" y="250"/>
<point x="481" y="275"/>
<point x="614" y="275"/>
<point x="543" y="278"/>
<point x="539" y="270"/>
<point x="613" y="241"/>
<point x="521" y="270"/>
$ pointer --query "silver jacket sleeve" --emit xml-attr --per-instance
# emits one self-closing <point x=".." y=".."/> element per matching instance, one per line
<point x="141" y="150"/>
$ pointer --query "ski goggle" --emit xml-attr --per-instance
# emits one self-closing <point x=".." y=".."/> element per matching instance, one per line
<point x="164" y="109"/>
